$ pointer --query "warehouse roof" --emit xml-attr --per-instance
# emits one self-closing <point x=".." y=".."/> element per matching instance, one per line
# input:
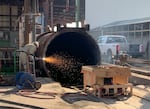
<point x="123" y="22"/>
<point x="127" y="22"/>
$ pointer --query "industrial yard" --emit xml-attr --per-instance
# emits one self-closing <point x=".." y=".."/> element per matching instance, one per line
<point x="50" y="58"/>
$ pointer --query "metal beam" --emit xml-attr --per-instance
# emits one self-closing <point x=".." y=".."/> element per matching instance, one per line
<point x="27" y="26"/>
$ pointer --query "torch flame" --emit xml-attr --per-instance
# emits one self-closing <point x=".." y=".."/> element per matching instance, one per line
<point x="52" y="60"/>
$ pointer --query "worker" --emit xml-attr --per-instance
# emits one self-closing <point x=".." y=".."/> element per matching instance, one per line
<point x="24" y="80"/>
<point x="26" y="53"/>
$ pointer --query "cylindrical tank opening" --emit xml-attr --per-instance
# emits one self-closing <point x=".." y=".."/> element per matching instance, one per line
<point x="67" y="53"/>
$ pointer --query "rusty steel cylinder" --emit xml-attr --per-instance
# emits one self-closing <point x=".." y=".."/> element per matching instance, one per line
<point x="67" y="50"/>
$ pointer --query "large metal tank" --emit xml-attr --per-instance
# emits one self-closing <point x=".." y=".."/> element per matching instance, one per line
<point x="74" y="47"/>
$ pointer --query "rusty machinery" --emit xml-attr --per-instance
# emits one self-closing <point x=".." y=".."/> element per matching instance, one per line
<point x="107" y="80"/>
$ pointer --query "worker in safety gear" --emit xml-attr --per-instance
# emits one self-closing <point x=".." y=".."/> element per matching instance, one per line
<point x="26" y="53"/>
<point x="24" y="80"/>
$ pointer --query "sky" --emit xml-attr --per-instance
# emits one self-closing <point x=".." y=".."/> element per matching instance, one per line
<point x="102" y="12"/>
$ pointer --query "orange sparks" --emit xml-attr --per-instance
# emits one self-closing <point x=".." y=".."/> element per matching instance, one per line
<point x="52" y="60"/>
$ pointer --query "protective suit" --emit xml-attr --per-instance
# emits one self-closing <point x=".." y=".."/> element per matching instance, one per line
<point x="25" y="55"/>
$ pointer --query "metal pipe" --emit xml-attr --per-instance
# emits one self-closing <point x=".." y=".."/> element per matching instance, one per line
<point x="77" y="12"/>
<point x="71" y="48"/>
<point x="27" y="26"/>
<point x="52" y="15"/>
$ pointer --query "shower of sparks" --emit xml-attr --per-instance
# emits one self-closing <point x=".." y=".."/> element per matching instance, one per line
<point x="66" y="66"/>
<point x="63" y="62"/>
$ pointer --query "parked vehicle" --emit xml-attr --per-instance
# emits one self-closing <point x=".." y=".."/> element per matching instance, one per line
<point x="112" y="45"/>
<point x="136" y="50"/>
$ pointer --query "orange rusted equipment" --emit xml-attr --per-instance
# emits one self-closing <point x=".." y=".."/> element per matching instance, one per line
<point x="107" y="80"/>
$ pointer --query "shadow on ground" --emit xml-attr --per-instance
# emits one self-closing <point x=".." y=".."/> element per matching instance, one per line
<point x="74" y="97"/>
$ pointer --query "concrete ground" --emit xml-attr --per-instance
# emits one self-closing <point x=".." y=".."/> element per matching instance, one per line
<point x="53" y="96"/>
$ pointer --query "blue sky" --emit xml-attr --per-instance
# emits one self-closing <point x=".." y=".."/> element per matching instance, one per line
<point x="101" y="12"/>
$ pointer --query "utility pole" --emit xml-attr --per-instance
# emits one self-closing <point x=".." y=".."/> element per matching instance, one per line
<point x="77" y="10"/>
